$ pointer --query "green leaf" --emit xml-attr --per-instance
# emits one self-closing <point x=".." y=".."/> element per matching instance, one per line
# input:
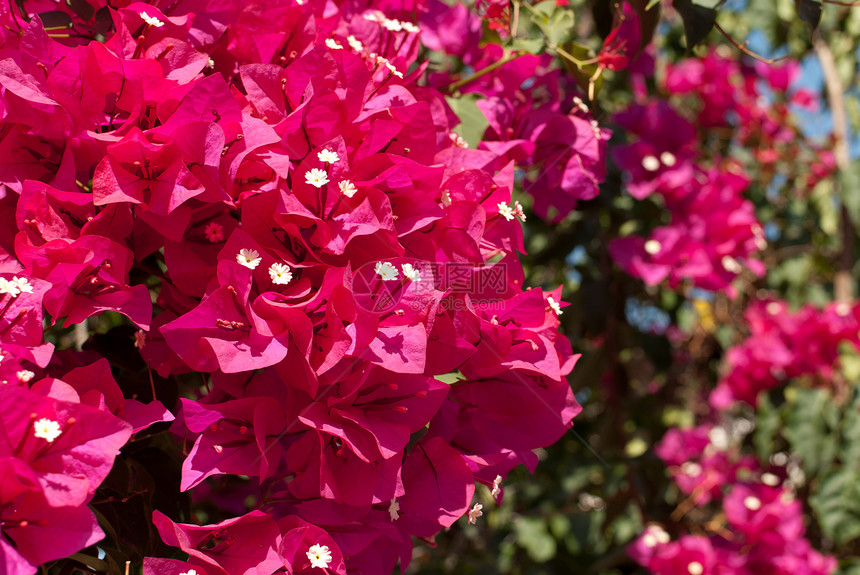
<point x="530" y="45"/>
<point x="767" y="424"/>
<point x="849" y="452"/>
<point x="557" y="25"/>
<point x="809" y="425"/>
<point x="809" y="11"/>
<point x="472" y="121"/>
<point x="837" y="505"/>
<point x="698" y="20"/>
<point x="533" y="536"/>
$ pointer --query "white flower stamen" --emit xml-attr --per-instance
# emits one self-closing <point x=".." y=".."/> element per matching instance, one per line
<point x="393" y="509"/>
<point x="332" y="44"/>
<point x="695" y="568"/>
<point x="25" y="376"/>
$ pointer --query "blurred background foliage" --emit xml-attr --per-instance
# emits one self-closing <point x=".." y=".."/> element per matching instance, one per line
<point x="596" y="489"/>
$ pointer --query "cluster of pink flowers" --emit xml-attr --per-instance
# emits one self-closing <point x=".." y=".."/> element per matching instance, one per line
<point x="267" y="194"/>
<point x="536" y="114"/>
<point x="784" y="345"/>
<point x="714" y="233"/>
<point x="758" y="524"/>
<point x="753" y="521"/>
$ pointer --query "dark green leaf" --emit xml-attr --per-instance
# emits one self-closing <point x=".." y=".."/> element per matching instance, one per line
<point x="809" y="11"/>
<point x="837" y="505"/>
<point x="82" y="8"/>
<point x="55" y="20"/>
<point x="698" y="20"/>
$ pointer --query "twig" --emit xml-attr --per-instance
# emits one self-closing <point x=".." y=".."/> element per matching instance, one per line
<point x="843" y="284"/>
<point x="743" y="48"/>
<point x="484" y="71"/>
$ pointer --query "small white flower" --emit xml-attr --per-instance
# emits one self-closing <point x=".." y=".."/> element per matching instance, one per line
<point x="210" y="63"/>
<point x="458" y="140"/>
<point x="393" y="70"/>
<point x="773" y="308"/>
<point x="189" y="572"/>
<point x="752" y="503"/>
<point x="154" y="22"/>
<point x="668" y="158"/>
<point x="695" y="568"/>
<point x="347" y="188"/>
<point x="719" y="438"/>
<point x="553" y="305"/>
<point x="332" y="44"/>
<point x="770" y="479"/>
<point x="386" y="271"/>
<point x="319" y="556"/>
<point x="410" y="27"/>
<point x="9" y="287"/>
<point x="47" y="429"/>
<point x="446" y="198"/>
<point x="506" y="211"/>
<point x="280" y="273"/>
<point x="691" y="468"/>
<point x="650" y="163"/>
<point x="328" y="156"/>
<point x="25" y="375"/>
<point x="474" y="513"/>
<point x="393" y="509"/>
<point x="23" y="284"/>
<point x="354" y="43"/>
<point x="653" y="247"/>
<point x="249" y="258"/>
<point x="411" y="273"/>
<point x="374" y="16"/>
<point x="497" y="486"/>
<point x="583" y="107"/>
<point x="316" y="177"/>
<point x="730" y="264"/>
<point x="392" y="25"/>
<point x="518" y="211"/>
<point x="214" y="232"/>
